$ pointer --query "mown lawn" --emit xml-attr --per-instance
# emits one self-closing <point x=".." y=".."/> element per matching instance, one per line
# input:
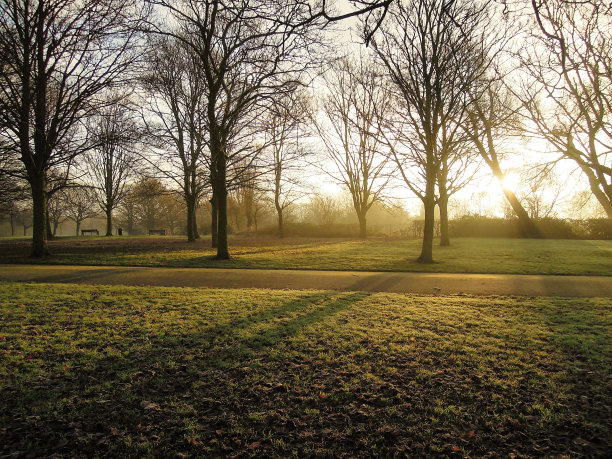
<point x="466" y="255"/>
<point x="166" y="372"/>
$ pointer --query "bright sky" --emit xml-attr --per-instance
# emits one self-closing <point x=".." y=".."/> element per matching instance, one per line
<point x="484" y="194"/>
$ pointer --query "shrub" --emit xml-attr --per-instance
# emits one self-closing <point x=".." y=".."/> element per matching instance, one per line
<point x="476" y="226"/>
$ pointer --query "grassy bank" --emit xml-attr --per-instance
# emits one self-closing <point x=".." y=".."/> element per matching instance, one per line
<point x="163" y="372"/>
<point x="466" y="255"/>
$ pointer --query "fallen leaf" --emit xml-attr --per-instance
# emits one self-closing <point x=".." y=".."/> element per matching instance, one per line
<point x="149" y="405"/>
<point x="255" y="445"/>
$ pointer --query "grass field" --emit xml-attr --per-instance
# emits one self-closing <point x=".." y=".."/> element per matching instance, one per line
<point x="467" y="255"/>
<point x="127" y="371"/>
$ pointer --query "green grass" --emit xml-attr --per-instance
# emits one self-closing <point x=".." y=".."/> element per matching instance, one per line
<point x="466" y="255"/>
<point x="127" y="371"/>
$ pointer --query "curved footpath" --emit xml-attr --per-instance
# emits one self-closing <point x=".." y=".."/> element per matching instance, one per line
<point x="421" y="283"/>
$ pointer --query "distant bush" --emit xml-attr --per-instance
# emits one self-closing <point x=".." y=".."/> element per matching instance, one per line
<point x="551" y="228"/>
<point x="467" y="226"/>
<point x="339" y="230"/>
<point x="556" y="228"/>
<point x="476" y="226"/>
<point x="598" y="228"/>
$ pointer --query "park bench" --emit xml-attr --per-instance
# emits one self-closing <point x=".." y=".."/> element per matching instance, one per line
<point x="158" y="232"/>
<point x="89" y="231"/>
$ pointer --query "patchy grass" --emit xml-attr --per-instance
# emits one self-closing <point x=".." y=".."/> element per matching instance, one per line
<point x="466" y="255"/>
<point x="126" y="371"/>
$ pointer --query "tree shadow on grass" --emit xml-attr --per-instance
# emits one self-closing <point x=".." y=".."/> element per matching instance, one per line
<point x="580" y="334"/>
<point x="102" y="404"/>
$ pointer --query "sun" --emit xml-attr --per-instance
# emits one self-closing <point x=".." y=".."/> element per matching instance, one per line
<point x="511" y="181"/>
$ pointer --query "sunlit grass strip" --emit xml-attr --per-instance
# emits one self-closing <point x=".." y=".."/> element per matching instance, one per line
<point x="141" y="371"/>
<point x="466" y="255"/>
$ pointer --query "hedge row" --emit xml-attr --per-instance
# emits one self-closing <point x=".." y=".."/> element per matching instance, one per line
<point x="469" y="226"/>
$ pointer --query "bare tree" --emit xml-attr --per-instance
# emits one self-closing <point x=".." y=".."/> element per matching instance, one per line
<point x="283" y="127"/>
<point x="127" y="211"/>
<point x="325" y="209"/>
<point x="172" y="213"/>
<point x="543" y="191"/>
<point x="434" y="50"/>
<point x="57" y="56"/>
<point x="111" y="161"/>
<point x="358" y="99"/>
<point x="492" y="118"/>
<point x="80" y="204"/>
<point x="175" y="119"/>
<point x="147" y="193"/>
<point x="11" y="191"/>
<point x="458" y="167"/>
<point x="56" y="212"/>
<point x="21" y="214"/>
<point x="568" y="89"/>
<point x="247" y="52"/>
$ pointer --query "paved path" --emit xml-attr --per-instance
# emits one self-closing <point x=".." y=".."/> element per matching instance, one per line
<point x="444" y="284"/>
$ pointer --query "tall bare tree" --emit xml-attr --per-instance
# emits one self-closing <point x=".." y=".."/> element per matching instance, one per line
<point x="57" y="56"/>
<point x="56" y="212"/>
<point x="248" y="51"/>
<point x="568" y="89"/>
<point x="492" y="119"/>
<point x="358" y="99"/>
<point x="283" y="126"/>
<point x="434" y="50"/>
<point x="111" y="161"/>
<point x="175" y="119"/>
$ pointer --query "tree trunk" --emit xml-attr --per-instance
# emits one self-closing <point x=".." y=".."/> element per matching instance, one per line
<point x="12" y="224"/>
<point x="78" y="227"/>
<point x="39" y="213"/>
<point x="361" y="216"/>
<point x="429" y="203"/>
<point x="196" y="233"/>
<point x="109" y="221"/>
<point x="55" y="225"/>
<point x="444" y="233"/>
<point x="527" y="227"/>
<point x="218" y="144"/>
<point x="279" y="211"/>
<point x="48" y="221"/>
<point x="214" y="223"/>
<point x="222" y="243"/>
<point x="428" y="231"/>
<point x="190" y="214"/>
<point x="281" y="229"/>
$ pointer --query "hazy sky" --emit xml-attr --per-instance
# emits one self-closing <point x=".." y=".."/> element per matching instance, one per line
<point x="485" y="191"/>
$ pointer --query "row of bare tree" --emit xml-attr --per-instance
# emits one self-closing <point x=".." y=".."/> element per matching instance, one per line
<point x="447" y="83"/>
<point x="199" y="90"/>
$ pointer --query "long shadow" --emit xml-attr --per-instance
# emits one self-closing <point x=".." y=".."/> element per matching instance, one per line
<point x="108" y="390"/>
<point x="213" y="338"/>
<point x="580" y="336"/>
<point x="273" y="336"/>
